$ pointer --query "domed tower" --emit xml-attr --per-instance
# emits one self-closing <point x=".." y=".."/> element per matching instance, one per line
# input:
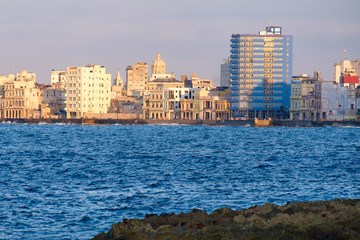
<point x="158" y="66"/>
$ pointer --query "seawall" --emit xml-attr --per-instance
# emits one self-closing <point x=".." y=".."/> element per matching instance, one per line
<point x="248" y="123"/>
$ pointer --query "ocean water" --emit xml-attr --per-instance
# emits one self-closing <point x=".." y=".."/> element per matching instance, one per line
<point x="73" y="181"/>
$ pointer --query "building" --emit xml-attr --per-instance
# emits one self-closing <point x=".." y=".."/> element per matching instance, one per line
<point x="179" y="103"/>
<point x="225" y="73"/>
<point x="54" y="99"/>
<point x="337" y="102"/>
<point x="295" y="100"/>
<point x="200" y="83"/>
<point x="213" y="104"/>
<point x="158" y="70"/>
<point x="305" y="100"/>
<point x="349" y="79"/>
<point x="88" y="90"/>
<point x="153" y="106"/>
<point x="136" y="79"/>
<point x="58" y="79"/>
<point x="22" y="98"/>
<point x="3" y="80"/>
<point x="261" y="74"/>
<point x="345" y="67"/>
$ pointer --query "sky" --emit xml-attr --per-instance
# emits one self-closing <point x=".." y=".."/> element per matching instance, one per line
<point x="192" y="36"/>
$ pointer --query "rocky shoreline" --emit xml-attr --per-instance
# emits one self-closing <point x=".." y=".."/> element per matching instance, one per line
<point x="335" y="219"/>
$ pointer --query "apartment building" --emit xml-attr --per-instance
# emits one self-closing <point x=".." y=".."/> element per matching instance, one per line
<point x="88" y="90"/>
<point x="260" y="75"/>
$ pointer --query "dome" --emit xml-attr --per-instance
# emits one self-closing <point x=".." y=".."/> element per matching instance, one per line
<point x="158" y="66"/>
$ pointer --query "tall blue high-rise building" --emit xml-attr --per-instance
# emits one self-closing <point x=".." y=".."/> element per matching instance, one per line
<point x="261" y="74"/>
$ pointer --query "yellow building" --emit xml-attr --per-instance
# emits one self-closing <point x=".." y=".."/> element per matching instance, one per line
<point x="187" y="109"/>
<point x="213" y="104"/>
<point x="22" y="98"/>
<point x="222" y="109"/>
<point x="153" y="102"/>
<point x="88" y="90"/>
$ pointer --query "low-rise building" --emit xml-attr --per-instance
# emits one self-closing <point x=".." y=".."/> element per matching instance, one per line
<point x="337" y="102"/>
<point x="54" y="99"/>
<point x="154" y="98"/>
<point x="305" y="99"/>
<point x="22" y="98"/>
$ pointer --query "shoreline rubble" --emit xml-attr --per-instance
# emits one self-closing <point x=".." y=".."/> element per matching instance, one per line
<point x="335" y="219"/>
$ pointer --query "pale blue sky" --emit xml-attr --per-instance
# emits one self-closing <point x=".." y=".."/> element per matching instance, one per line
<point x="192" y="36"/>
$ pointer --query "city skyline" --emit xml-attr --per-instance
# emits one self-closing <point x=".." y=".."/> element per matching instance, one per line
<point x="192" y="37"/>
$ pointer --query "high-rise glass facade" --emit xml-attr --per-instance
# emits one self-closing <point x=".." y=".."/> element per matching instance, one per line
<point x="261" y="74"/>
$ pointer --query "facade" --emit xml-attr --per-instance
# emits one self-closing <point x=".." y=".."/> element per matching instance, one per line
<point x="154" y="97"/>
<point x="261" y="74"/>
<point x="337" y="102"/>
<point x="305" y="100"/>
<point x="22" y="98"/>
<point x="136" y="79"/>
<point x="179" y="103"/>
<point x="53" y="98"/>
<point x="58" y="79"/>
<point x="88" y="90"/>
<point x="295" y="101"/>
<point x="225" y="73"/>
<point x="200" y="83"/>
<point x="346" y="66"/>
<point x="3" y="80"/>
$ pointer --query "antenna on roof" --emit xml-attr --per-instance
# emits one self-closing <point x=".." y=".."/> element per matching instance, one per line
<point x="344" y="54"/>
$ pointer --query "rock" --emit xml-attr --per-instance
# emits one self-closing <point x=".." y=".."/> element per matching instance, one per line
<point x="239" y="219"/>
<point x="336" y="219"/>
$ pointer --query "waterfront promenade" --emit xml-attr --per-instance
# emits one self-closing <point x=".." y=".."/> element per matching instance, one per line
<point x="247" y="123"/>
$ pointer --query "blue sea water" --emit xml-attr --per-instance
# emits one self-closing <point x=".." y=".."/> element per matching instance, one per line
<point x="74" y="181"/>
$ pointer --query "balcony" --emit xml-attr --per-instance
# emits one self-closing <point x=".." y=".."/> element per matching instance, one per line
<point x="234" y="108"/>
<point x="234" y="77"/>
<point x="234" y="88"/>
<point x="234" y="61"/>
<point x="234" y="56"/>
<point x="234" y="72"/>
<point x="234" y="94"/>
<point x="234" y="50"/>
<point x="234" y="82"/>
<point x="234" y="45"/>
<point x="234" y="40"/>
<point x="234" y="100"/>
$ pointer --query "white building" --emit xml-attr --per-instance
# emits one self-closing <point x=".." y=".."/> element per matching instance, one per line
<point x="337" y="102"/>
<point x="88" y="90"/>
<point x="345" y="66"/>
<point x="172" y="99"/>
